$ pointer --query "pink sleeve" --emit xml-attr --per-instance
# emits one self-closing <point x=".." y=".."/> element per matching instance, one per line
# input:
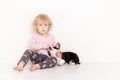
<point x="33" y="44"/>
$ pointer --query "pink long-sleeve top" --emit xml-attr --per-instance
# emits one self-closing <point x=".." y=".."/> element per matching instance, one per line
<point x="39" y="43"/>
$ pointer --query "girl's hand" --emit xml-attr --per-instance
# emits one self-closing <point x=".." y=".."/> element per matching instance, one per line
<point x="47" y="46"/>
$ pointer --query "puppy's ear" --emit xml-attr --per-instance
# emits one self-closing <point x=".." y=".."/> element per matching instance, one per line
<point x="57" y="46"/>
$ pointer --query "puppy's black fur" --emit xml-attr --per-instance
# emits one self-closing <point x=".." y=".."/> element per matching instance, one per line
<point x="70" y="56"/>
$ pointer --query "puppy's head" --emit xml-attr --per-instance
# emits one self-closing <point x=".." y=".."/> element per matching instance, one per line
<point x="53" y="50"/>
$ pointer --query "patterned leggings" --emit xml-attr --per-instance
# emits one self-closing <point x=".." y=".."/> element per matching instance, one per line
<point x="43" y="60"/>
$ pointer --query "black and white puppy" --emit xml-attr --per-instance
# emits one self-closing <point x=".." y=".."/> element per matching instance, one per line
<point x="66" y="57"/>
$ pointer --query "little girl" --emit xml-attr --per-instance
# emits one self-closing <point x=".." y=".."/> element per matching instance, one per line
<point x="40" y="41"/>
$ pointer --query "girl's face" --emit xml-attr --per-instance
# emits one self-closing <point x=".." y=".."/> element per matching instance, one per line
<point x="43" y="27"/>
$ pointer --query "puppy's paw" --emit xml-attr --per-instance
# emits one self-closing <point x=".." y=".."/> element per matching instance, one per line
<point x="61" y="62"/>
<point x="71" y="63"/>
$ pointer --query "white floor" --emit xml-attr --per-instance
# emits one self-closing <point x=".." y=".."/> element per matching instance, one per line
<point x="84" y="71"/>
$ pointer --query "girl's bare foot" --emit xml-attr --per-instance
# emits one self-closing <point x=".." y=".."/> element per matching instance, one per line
<point x="34" y="67"/>
<point x="18" y="67"/>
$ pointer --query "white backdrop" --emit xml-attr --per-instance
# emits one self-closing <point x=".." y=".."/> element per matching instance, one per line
<point x="88" y="27"/>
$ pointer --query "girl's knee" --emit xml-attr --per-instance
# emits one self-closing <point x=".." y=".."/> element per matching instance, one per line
<point x="29" y="51"/>
<point x="54" y="60"/>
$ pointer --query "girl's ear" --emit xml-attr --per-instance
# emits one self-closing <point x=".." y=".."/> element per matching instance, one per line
<point x="57" y="45"/>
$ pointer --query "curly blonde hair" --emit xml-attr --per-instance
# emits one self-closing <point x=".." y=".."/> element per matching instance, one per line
<point x="42" y="17"/>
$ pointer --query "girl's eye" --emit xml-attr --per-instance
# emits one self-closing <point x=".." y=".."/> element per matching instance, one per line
<point x="40" y="24"/>
<point x="45" y="24"/>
